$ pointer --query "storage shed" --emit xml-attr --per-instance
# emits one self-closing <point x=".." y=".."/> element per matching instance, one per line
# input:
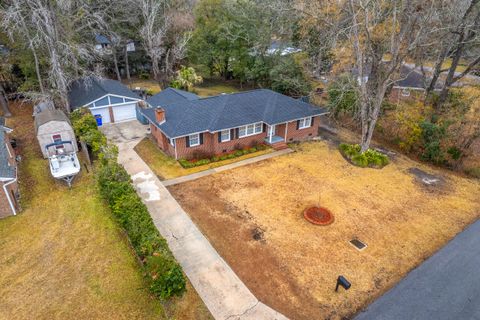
<point x="54" y="126"/>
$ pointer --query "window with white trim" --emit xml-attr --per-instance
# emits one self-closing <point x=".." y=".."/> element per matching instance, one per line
<point x="194" y="140"/>
<point x="250" y="129"/>
<point x="305" y="123"/>
<point x="225" y="135"/>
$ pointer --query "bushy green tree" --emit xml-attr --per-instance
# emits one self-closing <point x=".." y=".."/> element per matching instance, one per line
<point x="287" y="77"/>
<point x="186" y="78"/>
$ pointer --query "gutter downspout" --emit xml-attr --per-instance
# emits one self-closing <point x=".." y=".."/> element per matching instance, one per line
<point x="286" y="130"/>
<point x="8" y="196"/>
<point x="175" y="146"/>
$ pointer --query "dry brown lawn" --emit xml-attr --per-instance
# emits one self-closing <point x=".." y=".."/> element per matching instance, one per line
<point x="295" y="267"/>
<point x="64" y="257"/>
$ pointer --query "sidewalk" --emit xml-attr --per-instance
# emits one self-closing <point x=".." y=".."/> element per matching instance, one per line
<point x="224" y="294"/>
<point x="208" y="172"/>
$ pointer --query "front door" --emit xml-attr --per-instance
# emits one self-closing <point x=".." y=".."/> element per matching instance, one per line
<point x="271" y="132"/>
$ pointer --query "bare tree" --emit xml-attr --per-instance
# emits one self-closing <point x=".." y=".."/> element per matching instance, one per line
<point x="461" y="34"/>
<point x="60" y="30"/>
<point x="379" y="34"/>
<point x="156" y="23"/>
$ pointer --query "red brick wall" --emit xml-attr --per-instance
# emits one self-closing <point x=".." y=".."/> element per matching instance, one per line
<point x="211" y="146"/>
<point x="302" y="134"/>
<point x="162" y="141"/>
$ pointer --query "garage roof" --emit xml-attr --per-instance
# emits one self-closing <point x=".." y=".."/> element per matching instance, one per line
<point x="86" y="90"/>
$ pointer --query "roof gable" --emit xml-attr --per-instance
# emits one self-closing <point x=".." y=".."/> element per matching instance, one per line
<point x="86" y="90"/>
<point x="169" y="96"/>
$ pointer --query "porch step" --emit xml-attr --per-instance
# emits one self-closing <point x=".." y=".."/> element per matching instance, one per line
<point x="279" y="145"/>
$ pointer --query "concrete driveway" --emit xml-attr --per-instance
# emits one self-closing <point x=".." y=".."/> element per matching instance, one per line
<point x="445" y="287"/>
<point x="125" y="131"/>
<point x="224" y="294"/>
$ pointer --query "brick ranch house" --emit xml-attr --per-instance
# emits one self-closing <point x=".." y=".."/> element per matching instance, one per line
<point x="8" y="174"/>
<point x="186" y="126"/>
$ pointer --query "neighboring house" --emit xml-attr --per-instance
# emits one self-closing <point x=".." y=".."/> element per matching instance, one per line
<point x="8" y="175"/>
<point x="102" y="44"/>
<point x="54" y="126"/>
<point x="409" y="80"/>
<point x="194" y="126"/>
<point x="108" y="100"/>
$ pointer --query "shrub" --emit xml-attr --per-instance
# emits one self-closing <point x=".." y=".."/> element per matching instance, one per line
<point x="144" y="75"/>
<point x="432" y="137"/>
<point x="454" y="152"/>
<point x="166" y="277"/>
<point x="370" y="158"/>
<point x="85" y="128"/>
<point x="206" y="160"/>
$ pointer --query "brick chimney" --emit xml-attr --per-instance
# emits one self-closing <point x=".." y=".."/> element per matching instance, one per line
<point x="159" y="115"/>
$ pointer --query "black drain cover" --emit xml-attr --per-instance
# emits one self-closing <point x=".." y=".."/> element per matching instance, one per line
<point x="358" y="244"/>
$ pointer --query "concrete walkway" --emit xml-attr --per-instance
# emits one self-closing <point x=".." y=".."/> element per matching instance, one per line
<point x="446" y="286"/>
<point x="225" y="167"/>
<point x="224" y="294"/>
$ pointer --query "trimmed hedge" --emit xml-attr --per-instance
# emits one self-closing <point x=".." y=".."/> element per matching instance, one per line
<point x="164" y="275"/>
<point x="234" y="154"/>
<point x="370" y="158"/>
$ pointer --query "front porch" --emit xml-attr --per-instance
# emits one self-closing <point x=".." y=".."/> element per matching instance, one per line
<point x="276" y="135"/>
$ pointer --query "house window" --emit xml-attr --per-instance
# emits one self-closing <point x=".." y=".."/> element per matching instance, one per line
<point x="57" y="138"/>
<point x="194" y="140"/>
<point x="305" y="123"/>
<point x="224" y="135"/>
<point x="250" y="129"/>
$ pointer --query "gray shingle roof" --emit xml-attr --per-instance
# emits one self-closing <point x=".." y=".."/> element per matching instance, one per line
<point x="85" y="90"/>
<point x="101" y="39"/>
<point x="230" y="111"/>
<point x="411" y="78"/>
<point x="49" y="115"/>
<point x="169" y="96"/>
<point x="6" y="171"/>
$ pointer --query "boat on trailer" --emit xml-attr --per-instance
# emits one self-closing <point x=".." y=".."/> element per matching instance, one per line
<point x="63" y="161"/>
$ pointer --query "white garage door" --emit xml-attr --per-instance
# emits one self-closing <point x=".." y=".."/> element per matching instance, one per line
<point x="125" y="112"/>
<point x="102" y="112"/>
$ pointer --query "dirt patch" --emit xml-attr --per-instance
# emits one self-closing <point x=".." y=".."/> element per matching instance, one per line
<point x="233" y="232"/>
<point x="295" y="267"/>
<point x="430" y="181"/>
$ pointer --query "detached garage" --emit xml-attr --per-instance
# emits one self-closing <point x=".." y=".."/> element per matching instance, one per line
<point x="108" y="100"/>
